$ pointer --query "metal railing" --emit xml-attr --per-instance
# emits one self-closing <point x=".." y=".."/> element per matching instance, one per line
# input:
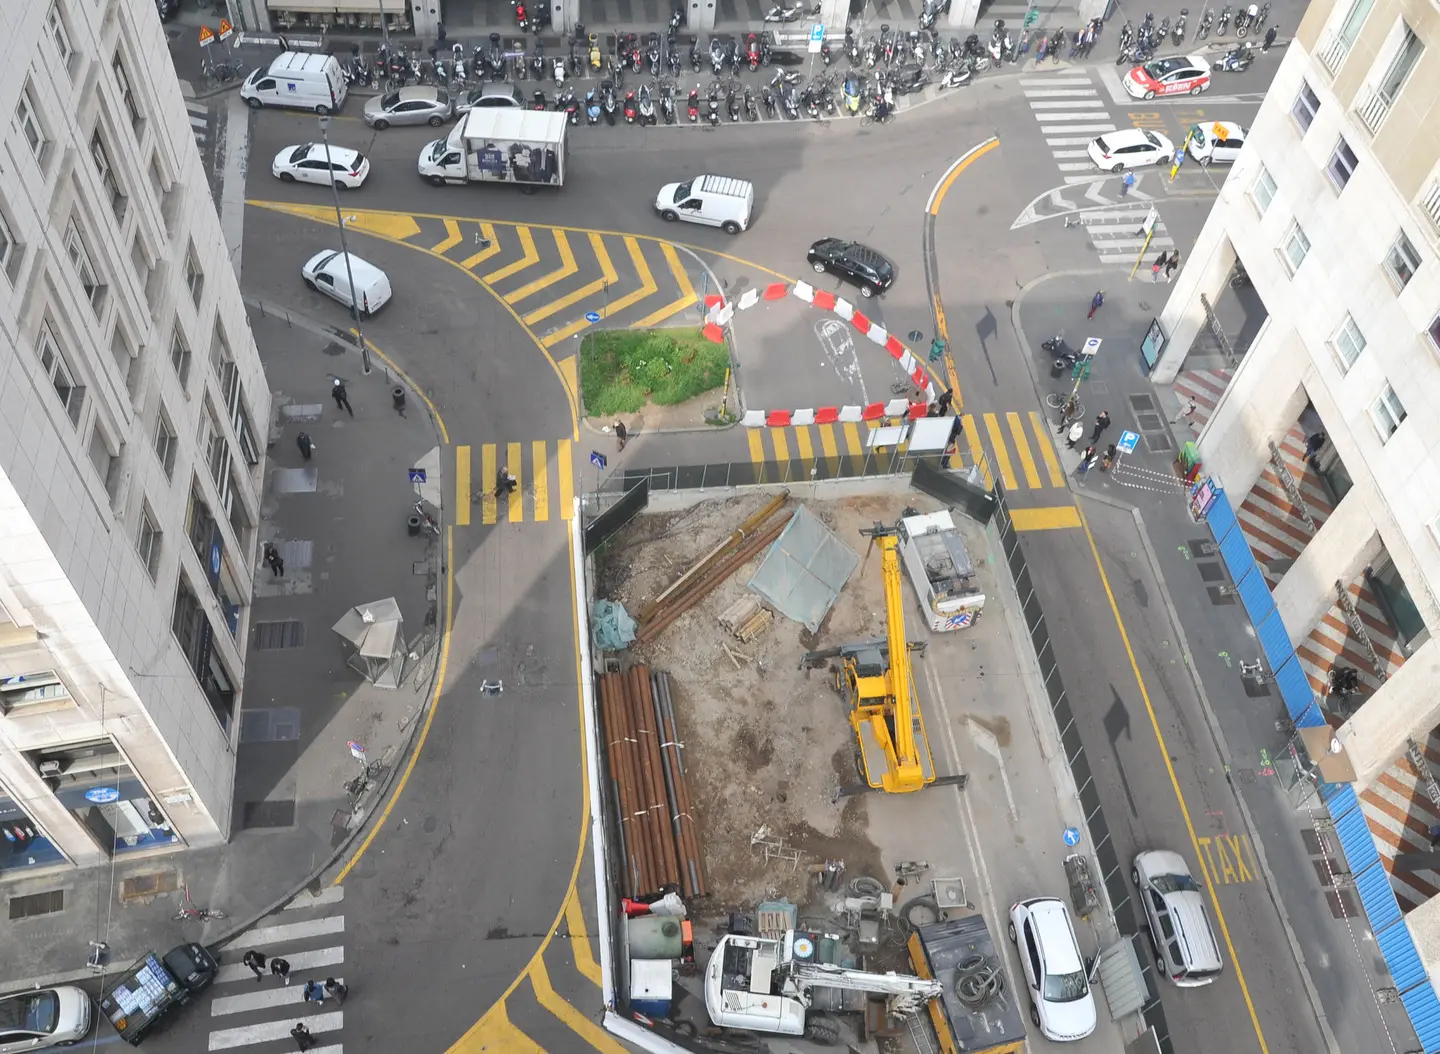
<point x="1332" y="52"/>
<point x="1372" y="107"/>
<point x="1430" y="204"/>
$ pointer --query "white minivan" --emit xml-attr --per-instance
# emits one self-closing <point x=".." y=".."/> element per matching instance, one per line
<point x="327" y="272"/>
<point x="717" y="201"/>
<point x="297" y="79"/>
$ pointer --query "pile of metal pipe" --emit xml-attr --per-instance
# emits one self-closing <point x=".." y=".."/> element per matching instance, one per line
<point x="687" y="838"/>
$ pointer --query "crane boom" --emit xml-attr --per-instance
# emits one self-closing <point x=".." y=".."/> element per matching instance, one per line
<point x="907" y="762"/>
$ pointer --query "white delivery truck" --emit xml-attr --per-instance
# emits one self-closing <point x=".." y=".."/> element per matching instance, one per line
<point x="527" y="148"/>
<point x="716" y="201"/>
<point x="941" y="571"/>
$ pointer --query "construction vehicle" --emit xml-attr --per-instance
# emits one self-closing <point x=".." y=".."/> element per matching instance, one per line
<point x="875" y="679"/>
<point x="769" y="985"/>
<point x="976" y="1012"/>
<point x="933" y="552"/>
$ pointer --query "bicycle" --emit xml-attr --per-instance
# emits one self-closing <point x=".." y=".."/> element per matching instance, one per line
<point x="427" y="522"/>
<point x="188" y="911"/>
<point x="1066" y="403"/>
<point x="217" y="72"/>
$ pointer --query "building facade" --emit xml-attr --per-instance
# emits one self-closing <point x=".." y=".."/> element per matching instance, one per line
<point x="132" y="410"/>
<point x="1306" y="326"/>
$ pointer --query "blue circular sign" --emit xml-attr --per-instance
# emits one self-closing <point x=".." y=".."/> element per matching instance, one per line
<point x="102" y="795"/>
<point x="1072" y="836"/>
<point x="592" y="316"/>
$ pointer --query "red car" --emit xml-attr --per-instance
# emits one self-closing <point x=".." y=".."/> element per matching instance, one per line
<point x="1177" y="75"/>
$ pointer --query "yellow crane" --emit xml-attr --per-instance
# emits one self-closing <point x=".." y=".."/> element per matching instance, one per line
<point x="876" y="680"/>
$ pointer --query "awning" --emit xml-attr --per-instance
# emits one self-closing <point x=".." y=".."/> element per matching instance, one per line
<point x="341" y="7"/>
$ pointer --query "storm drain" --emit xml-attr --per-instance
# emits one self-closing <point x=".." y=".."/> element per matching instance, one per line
<point x="1150" y="422"/>
<point x="144" y="887"/>
<point x="272" y="636"/>
<point x="32" y="904"/>
<point x="269" y="813"/>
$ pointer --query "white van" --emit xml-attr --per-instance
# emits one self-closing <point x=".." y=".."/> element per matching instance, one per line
<point x="717" y="201"/>
<point x="327" y="272"/>
<point x="302" y="80"/>
<point x="933" y="552"/>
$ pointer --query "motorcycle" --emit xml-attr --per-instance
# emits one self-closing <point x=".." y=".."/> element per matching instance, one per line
<point x="852" y="47"/>
<point x="558" y="69"/>
<point x="692" y="105"/>
<point x="781" y="13"/>
<point x="853" y="90"/>
<point x="1207" y="19"/>
<point x="825" y="51"/>
<point x="631" y="111"/>
<point x="592" y="107"/>
<point x="909" y="79"/>
<point x="768" y="98"/>
<point x="695" y="55"/>
<point x="717" y="57"/>
<point x="999" y="42"/>
<point x="637" y="59"/>
<point x="1223" y="26"/>
<point x="955" y="75"/>
<point x="672" y="54"/>
<point x="932" y="10"/>
<point x="522" y="17"/>
<point x="712" y="105"/>
<point x="677" y="18"/>
<point x="732" y="101"/>
<point x="521" y="66"/>
<point x="1177" y="35"/>
<point x="1237" y="59"/>
<point x="539" y="102"/>
<point x="607" y="101"/>
<point x="652" y="54"/>
<point x="751" y="114"/>
<point x="568" y="103"/>
<point x="646" y="102"/>
<point x="667" y="101"/>
<point x="752" y="51"/>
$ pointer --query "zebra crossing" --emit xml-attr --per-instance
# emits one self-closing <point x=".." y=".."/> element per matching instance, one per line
<point x="1118" y="236"/>
<point x="199" y="111"/>
<point x="309" y="933"/>
<point x="1071" y="113"/>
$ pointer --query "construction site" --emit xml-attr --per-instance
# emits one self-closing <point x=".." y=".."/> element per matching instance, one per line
<point x="784" y="793"/>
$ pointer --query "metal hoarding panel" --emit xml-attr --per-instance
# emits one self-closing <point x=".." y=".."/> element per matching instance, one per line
<point x="1356" y="839"/>
<point x="1221" y="516"/>
<point x="1274" y="640"/>
<point x="1296" y="691"/>
<point x="1376" y="894"/>
<point x="1255" y="592"/>
<point x="1239" y="560"/>
<point x="1424" y="1010"/>
<point x="1398" y="948"/>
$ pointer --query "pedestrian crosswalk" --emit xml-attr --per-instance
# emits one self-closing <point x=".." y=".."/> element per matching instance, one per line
<point x="1071" y="113"/>
<point x="199" y="111"/>
<point x="544" y="483"/>
<point x="1118" y="236"/>
<point x="308" y="933"/>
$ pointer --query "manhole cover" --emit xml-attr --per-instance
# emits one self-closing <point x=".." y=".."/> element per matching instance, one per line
<point x="915" y="335"/>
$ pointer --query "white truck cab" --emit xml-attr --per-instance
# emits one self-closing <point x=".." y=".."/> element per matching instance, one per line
<point x="716" y="201"/>
<point x="933" y="552"/>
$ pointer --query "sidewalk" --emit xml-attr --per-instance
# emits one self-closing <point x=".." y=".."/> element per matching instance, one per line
<point x="339" y="523"/>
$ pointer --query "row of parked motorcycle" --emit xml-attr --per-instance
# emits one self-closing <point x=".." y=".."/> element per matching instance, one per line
<point x="1139" y="44"/>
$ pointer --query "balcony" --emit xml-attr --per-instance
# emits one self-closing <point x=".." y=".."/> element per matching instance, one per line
<point x="1430" y="204"/>
<point x="1332" y="51"/>
<point x="1372" y="106"/>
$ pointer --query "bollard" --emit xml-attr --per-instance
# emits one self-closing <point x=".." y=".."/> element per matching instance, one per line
<point x="397" y="396"/>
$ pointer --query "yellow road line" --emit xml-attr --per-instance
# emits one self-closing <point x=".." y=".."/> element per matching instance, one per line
<point x="1165" y="757"/>
<point x="1050" y="519"/>
<point x="608" y="278"/>
<point x="977" y="452"/>
<point x="540" y="470"/>
<point x="757" y="445"/>
<point x="487" y="482"/>
<point x="565" y="469"/>
<point x="1047" y="450"/>
<point x="531" y="257"/>
<point x="452" y="238"/>
<point x="827" y="444"/>
<point x="580" y="939"/>
<point x="782" y="448"/>
<point x="686" y="299"/>
<point x="853" y="446"/>
<point x="577" y="1022"/>
<point x="613" y="307"/>
<point x="515" y="500"/>
<point x="565" y="270"/>
<point x="1022" y="448"/>
<point x="960" y="166"/>
<point x="802" y="442"/>
<point x="1002" y="455"/>
<point x="496" y="1032"/>
<point x="488" y="233"/>
<point x="462" y="486"/>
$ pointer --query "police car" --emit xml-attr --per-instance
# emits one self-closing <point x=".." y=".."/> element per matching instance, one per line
<point x="1177" y="75"/>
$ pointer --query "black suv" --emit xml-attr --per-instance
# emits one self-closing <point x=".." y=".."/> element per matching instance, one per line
<point x="853" y="262"/>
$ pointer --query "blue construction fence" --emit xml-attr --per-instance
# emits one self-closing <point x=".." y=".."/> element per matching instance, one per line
<point x="1372" y="881"/>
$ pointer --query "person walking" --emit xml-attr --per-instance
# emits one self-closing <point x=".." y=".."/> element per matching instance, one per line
<point x="504" y="482"/>
<point x="1171" y="264"/>
<point x="1087" y="458"/>
<point x="341" y="397"/>
<point x="276" y="563"/>
<point x="256" y="961"/>
<point x="1160" y="262"/>
<point x="315" y="992"/>
<point x="1187" y="414"/>
<point x="1102" y="422"/>
<point x="302" y="1037"/>
<point x="280" y="968"/>
<point x="1096" y="302"/>
<point x="307" y="447"/>
<point x="952" y="444"/>
<point x="1127" y="183"/>
<point x="339" y="989"/>
<point x="621" y="436"/>
<point x="1270" y="35"/>
<point x="943" y="403"/>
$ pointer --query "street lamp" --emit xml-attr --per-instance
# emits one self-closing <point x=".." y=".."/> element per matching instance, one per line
<point x="340" y="222"/>
<point x="384" y="27"/>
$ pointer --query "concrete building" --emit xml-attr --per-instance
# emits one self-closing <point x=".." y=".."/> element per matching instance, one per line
<point x="1306" y="326"/>
<point x="132" y="416"/>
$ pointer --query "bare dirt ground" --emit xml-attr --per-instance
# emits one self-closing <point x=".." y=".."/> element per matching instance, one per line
<point x="766" y="745"/>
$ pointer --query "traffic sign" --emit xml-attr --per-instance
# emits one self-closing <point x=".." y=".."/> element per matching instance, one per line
<point x="592" y="317"/>
<point x="225" y="29"/>
<point x="356" y="750"/>
<point x="1090" y="347"/>
<point x="1128" y="441"/>
<point x="598" y="459"/>
<point x="1072" y="836"/>
<point x="1151" y="218"/>
<point x="1221" y="132"/>
<point x="817" y="37"/>
<point x="417" y="475"/>
<point x="207" y="36"/>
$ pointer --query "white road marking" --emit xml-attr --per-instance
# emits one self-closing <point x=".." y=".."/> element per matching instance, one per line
<point x="294" y="931"/>
<point x="1073" y="115"/>
<point x="328" y="895"/>
<point x="1056" y="93"/>
<point x="1079" y="140"/>
<point x="267" y="1031"/>
<point x="1060" y="129"/>
<point x="264" y="999"/>
<point x="298" y="961"/>
<point x="1078" y="166"/>
<point x="1093" y="106"/>
<point x="1060" y="155"/>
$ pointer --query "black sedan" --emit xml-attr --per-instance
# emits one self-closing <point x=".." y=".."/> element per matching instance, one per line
<point x="854" y="263"/>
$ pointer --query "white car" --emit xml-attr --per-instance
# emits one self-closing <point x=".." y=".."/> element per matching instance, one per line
<point x="327" y="273"/>
<point x="1219" y="141"/>
<point x="1061" y="1004"/>
<point x="307" y="163"/>
<point x="1131" y="148"/>
<point x="44" y="1018"/>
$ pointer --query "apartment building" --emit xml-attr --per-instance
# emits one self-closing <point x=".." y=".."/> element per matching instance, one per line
<point x="1306" y="326"/>
<point x="132" y="430"/>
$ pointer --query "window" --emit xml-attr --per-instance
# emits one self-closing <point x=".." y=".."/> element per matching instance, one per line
<point x="126" y="360"/>
<point x="84" y="270"/>
<point x="1387" y="412"/>
<point x="31" y="689"/>
<point x="127" y="94"/>
<point x="1305" y="107"/>
<point x="105" y="458"/>
<point x="1401" y="262"/>
<point x="1294" y="248"/>
<point x="101" y="157"/>
<point x="1342" y="165"/>
<point x="1350" y="28"/>
<point x="9" y="247"/>
<point x="28" y="122"/>
<point x="1434" y="332"/>
<point x="1347" y="343"/>
<point x="147" y="542"/>
<point x="72" y="395"/>
<point x="1401" y="66"/>
<point x="180" y="357"/>
<point x="194" y="277"/>
<point x="1262" y="191"/>
<point x="55" y="26"/>
<point x="166" y="443"/>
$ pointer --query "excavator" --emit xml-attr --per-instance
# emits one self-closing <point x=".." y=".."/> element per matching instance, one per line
<point x="875" y="679"/>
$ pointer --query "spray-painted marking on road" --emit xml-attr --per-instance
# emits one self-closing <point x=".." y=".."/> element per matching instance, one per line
<point x="1228" y="859"/>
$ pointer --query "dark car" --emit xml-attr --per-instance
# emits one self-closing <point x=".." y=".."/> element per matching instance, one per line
<point x="855" y="263"/>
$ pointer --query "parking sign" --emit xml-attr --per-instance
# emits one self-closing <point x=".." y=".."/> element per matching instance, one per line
<point x="817" y="37"/>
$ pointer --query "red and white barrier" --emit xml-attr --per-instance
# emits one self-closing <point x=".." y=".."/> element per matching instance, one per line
<point x="719" y="313"/>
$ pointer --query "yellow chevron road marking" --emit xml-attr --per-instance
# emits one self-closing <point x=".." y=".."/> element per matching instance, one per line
<point x="580" y="939"/>
<point x="397" y="225"/>
<point x="452" y="238"/>
<point x="493" y="1033"/>
<point x="565" y="270"/>
<point x="647" y="288"/>
<point x="827" y="443"/>
<point x="487" y="232"/>
<point x="782" y="448"/>
<point x="531" y="257"/>
<point x="608" y="278"/>
<point x="687" y="296"/>
<point x="577" y="1022"/>
<point x="802" y="443"/>
<point x="1022" y="448"/>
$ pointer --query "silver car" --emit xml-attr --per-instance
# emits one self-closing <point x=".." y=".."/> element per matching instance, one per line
<point x="417" y="105"/>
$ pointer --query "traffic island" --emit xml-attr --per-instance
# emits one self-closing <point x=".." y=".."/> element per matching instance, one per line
<point x="655" y="379"/>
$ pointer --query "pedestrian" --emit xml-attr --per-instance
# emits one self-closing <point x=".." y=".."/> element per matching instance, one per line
<point x="307" y="447"/>
<point x="1096" y="302"/>
<point x="1160" y="262"/>
<point x="504" y="482"/>
<point x="341" y="396"/>
<point x="280" y="968"/>
<point x="302" y="1037"/>
<point x="1127" y="183"/>
<point x="314" y="992"/>
<point x="1270" y="35"/>
<point x="1087" y="459"/>
<point x="440" y="35"/>
<point x="621" y="436"/>
<point x="1187" y="413"/>
<point x="1102" y="422"/>
<point x="339" y="989"/>
<point x="1171" y="264"/>
<point x="256" y="961"/>
<point x="943" y="403"/>
<point x="274" y="561"/>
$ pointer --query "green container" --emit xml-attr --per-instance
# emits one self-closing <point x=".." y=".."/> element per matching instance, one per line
<point x="654" y="937"/>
